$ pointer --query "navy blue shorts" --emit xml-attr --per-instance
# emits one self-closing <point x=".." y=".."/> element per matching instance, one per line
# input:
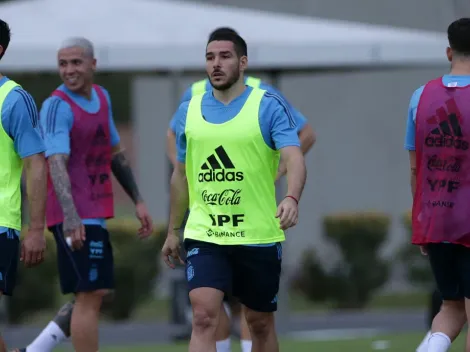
<point x="249" y="273"/>
<point x="88" y="269"/>
<point x="9" y="257"/>
<point x="450" y="264"/>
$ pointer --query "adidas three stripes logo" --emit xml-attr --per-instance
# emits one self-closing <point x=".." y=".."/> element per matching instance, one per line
<point x="213" y="163"/>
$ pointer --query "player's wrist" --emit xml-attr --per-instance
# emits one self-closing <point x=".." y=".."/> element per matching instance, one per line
<point x="295" y="199"/>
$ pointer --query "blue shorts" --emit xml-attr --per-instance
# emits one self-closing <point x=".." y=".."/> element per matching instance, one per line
<point x="249" y="273"/>
<point x="9" y="257"/>
<point x="450" y="264"/>
<point x="89" y="269"/>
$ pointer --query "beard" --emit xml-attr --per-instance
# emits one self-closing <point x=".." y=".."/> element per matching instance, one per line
<point x="226" y="85"/>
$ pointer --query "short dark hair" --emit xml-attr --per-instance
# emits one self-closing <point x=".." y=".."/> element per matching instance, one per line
<point x="4" y="36"/>
<point x="223" y="30"/>
<point x="458" y="34"/>
<point x="238" y="42"/>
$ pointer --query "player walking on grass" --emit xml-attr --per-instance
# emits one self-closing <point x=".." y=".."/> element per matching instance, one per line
<point x="83" y="149"/>
<point x="21" y="146"/>
<point x="438" y="137"/>
<point x="228" y="146"/>
<point x="307" y="139"/>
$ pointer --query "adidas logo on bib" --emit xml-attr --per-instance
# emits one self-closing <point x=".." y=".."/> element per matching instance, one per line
<point x="448" y="134"/>
<point x="219" y="168"/>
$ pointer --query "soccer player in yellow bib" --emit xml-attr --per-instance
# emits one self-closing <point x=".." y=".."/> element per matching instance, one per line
<point x="307" y="139"/>
<point x="229" y="141"/>
<point x="21" y="147"/>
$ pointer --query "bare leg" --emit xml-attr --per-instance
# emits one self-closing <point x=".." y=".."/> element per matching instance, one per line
<point x="245" y="335"/>
<point x="222" y="334"/>
<point x="206" y="303"/>
<point x="447" y="325"/>
<point x="262" y="329"/>
<point x="85" y="320"/>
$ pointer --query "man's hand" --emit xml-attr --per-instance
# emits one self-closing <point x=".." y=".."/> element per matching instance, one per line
<point x="145" y="219"/>
<point x="33" y="248"/>
<point x="288" y="213"/>
<point x="75" y="230"/>
<point x="171" y="250"/>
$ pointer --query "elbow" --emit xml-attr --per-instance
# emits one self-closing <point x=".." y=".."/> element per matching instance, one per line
<point x="295" y="158"/>
<point x="179" y="174"/>
<point x="170" y="135"/>
<point x="308" y="138"/>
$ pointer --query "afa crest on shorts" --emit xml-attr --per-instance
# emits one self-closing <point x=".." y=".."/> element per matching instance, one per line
<point x="189" y="272"/>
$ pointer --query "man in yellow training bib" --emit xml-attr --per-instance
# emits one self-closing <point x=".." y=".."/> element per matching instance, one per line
<point x="229" y="141"/>
<point x="307" y="139"/>
<point x="21" y="146"/>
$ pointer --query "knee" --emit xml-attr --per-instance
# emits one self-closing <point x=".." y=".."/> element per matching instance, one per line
<point x="92" y="298"/>
<point x="204" y="319"/>
<point x="260" y="324"/>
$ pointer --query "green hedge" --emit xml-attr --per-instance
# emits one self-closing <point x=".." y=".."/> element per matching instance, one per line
<point x="136" y="269"/>
<point x="417" y="266"/>
<point x="361" y="271"/>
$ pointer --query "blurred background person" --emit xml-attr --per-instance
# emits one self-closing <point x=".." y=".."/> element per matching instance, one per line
<point x="437" y="125"/>
<point x="21" y="146"/>
<point x="83" y="148"/>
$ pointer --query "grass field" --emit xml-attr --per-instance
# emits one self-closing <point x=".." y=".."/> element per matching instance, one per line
<point x="390" y="343"/>
<point x="159" y="309"/>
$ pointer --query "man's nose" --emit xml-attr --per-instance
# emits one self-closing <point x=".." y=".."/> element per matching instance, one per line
<point x="216" y="63"/>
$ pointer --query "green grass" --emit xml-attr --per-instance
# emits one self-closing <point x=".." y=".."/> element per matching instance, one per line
<point x="391" y="343"/>
<point x="408" y="300"/>
<point x="159" y="309"/>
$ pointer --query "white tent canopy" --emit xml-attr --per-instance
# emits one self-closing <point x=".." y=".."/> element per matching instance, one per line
<point x="171" y="35"/>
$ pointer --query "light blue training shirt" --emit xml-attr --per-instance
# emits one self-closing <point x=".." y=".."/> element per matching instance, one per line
<point x="278" y="125"/>
<point x="56" y="120"/>
<point x="297" y="115"/>
<point x="459" y="81"/>
<point x="20" y="122"/>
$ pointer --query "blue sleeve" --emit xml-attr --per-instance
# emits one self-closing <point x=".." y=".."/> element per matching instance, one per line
<point x="173" y="124"/>
<point x="187" y="95"/>
<point x="114" y="134"/>
<point x="410" y="123"/>
<point x="299" y="118"/>
<point x="20" y="121"/>
<point x="56" y="120"/>
<point x="277" y="118"/>
<point x="180" y="127"/>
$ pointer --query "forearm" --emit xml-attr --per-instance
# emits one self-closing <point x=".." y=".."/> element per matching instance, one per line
<point x="122" y="171"/>
<point x="412" y="155"/>
<point x="63" y="189"/>
<point x="413" y="182"/>
<point x="296" y="175"/>
<point x="179" y="199"/>
<point x="36" y="189"/>
<point x="171" y="147"/>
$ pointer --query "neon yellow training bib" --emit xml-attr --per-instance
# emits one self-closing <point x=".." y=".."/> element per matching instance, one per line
<point x="199" y="87"/>
<point x="231" y="173"/>
<point x="11" y="167"/>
